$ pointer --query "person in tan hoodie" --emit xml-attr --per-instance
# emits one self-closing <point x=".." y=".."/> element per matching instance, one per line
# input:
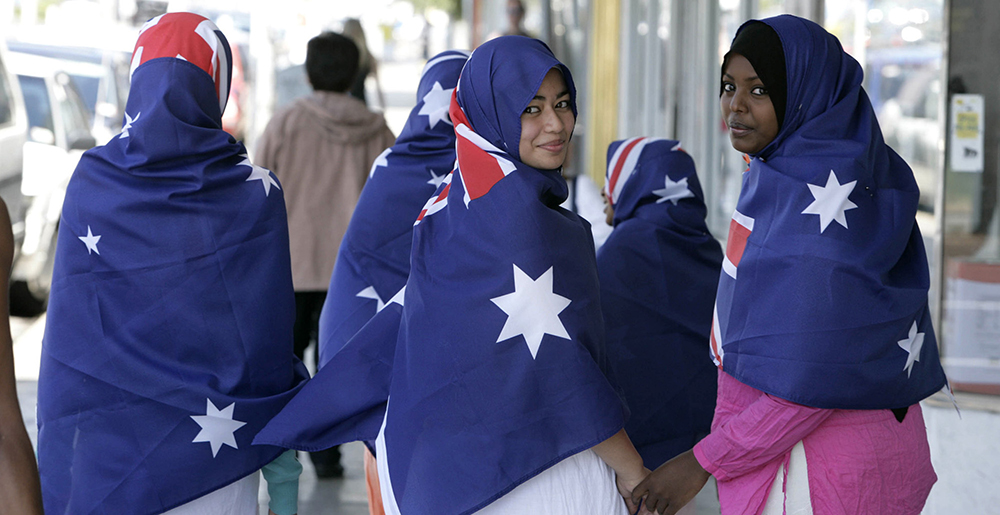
<point x="321" y="147"/>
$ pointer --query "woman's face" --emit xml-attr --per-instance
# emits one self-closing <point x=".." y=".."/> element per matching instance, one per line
<point x="547" y="124"/>
<point x="746" y="107"/>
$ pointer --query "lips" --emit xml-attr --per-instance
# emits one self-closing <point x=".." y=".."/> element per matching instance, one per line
<point x="553" y="146"/>
<point x="738" y="129"/>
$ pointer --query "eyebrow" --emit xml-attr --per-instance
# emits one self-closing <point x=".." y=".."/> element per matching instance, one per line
<point x="748" y="79"/>
<point x="560" y="95"/>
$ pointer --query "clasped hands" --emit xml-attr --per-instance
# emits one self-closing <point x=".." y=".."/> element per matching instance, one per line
<point x="665" y="490"/>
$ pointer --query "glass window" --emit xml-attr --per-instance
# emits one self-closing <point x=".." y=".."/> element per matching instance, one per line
<point x="970" y="325"/>
<point x="36" y="100"/>
<point x="6" y="107"/>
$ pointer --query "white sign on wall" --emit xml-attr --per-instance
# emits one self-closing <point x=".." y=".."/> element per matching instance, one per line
<point x="967" y="133"/>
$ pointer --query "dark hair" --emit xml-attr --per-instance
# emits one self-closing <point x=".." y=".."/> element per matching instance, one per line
<point x="331" y="62"/>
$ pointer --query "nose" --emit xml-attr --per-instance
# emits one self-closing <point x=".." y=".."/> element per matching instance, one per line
<point x="552" y="121"/>
<point x="738" y="102"/>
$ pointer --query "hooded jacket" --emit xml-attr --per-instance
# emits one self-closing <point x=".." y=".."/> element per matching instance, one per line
<point x="321" y="148"/>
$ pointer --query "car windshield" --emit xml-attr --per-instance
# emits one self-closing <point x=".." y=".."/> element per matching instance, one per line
<point x="36" y="99"/>
<point x="88" y="87"/>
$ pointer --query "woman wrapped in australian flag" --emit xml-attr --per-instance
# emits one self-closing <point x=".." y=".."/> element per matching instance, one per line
<point x="659" y="270"/>
<point x="168" y="340"/>
<point x="822" y="332"/>
<point x="494" y="397"/>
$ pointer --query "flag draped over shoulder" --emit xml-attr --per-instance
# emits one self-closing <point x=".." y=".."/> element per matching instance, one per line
<point x="374" y="257"/>
<point x="498" y="369"/>
<point x="823" y="295"/>
<point x="345" y="400"/>
<point x="168" y="338"/>
<point x="659" y="271"/>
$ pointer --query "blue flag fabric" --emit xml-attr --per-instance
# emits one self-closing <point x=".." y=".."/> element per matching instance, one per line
<point x="659" y="271"/>
<point x="168" y="339"/>
<point x="374" y="257"/>
<point x="498" y="372"/>
<point x="823" y="298"/>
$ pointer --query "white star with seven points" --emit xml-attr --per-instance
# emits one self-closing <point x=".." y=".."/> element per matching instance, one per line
<point x="217" y="427"/>
<point x="90" y="240"/>
<point x="380" y="161"/>
<point x="436" y="104"/>
<point x="831" y="202"/>
<point x="673" y="191"/>
<point x="370" y="293"/>
<point x="912" y="345"/>
<point x="436" y="179"/>
<point x="259" y="173"/>
<point x="532" y="310"/>
<point x="128" y="124"/>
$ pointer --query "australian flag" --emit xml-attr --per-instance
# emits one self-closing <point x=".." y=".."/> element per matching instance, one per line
<point x="659" y="271"/>
<point x="823" y="296"/>
<point x="374" y="257"/>
<point x="498" y="370"/>
<point x="168" y="340"/>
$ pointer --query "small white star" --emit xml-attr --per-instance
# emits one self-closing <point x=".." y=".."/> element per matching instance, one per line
<point x="831" y="202"/>
<point x="436" y="179"/>
<point x="673" y="191"/>
<point x="259" y="173"/>
<point x="128" y="124"/>
<point x="436" y="104"/>
<point x="91" y="241"/>
<point x="370" y="293"/>
<point x="912" y="345"/>
<point x="532" y="310"/>
<point x="380" y="161"/>
<point x="217" y="427"/>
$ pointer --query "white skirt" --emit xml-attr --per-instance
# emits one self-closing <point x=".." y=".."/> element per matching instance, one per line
<point x="239" y="498"/>
<point x="582" y="483"/>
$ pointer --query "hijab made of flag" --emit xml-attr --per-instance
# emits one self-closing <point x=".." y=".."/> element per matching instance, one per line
<point x="823" y="297"/>
<point x="499" y="366"/>
<point x="659" y="270"/>
<point x="374" y="256"/>
<point x="168" y="340"/>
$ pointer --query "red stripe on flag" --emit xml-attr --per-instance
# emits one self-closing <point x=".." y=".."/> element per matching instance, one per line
<point x="737" y="242"/>
<point x="713" y="341"/>
<point x="618" y="168"/>
<point x="479" y="169"/>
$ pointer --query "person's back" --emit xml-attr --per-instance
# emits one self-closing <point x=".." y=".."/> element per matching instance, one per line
<point x="321" y="148"/>
<point x="659" y="270"/>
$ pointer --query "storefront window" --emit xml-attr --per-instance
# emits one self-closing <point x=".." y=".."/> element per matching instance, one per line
<point x="971" y="307"/>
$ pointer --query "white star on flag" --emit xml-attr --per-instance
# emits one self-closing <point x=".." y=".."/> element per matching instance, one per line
<point x="436" y="104"/>
<point x="217" y="427"/>
<point x="436" y="179"/>
<point x="370" y="293"/>
<point x="912" y="345"/>
<point x="831" y="202"/>
<point x="128" y="124"/>
<point x="259" y="173"/>
<point x="532" y="310"/>
<point x="90" y="240"/>
<point x="673" y="191"/>
<point x="380" y="161"/>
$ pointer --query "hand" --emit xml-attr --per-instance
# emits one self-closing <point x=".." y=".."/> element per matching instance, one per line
<point x="671" y="486"/>
<point x="626" y="485"/>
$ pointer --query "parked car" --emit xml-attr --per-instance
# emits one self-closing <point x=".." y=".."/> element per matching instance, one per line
<point x="59" y="130"/>
<point x="101" y="76"/>
<point x="13" y="134"/>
